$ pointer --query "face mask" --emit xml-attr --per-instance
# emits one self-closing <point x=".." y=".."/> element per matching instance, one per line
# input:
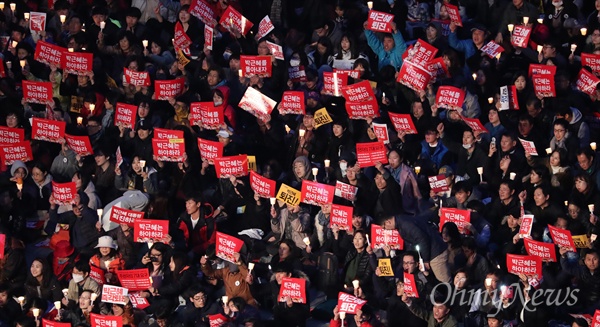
<point x="343" y="166"/>
<point x="226" y="55"/>
<point x="467" y="146"/>
<point x="295" y="62"/>
<point x="77" y="278"/>
<point x="557" y="4"/>
<point x="218" y="103"/>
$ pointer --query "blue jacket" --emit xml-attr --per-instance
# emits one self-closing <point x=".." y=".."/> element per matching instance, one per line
<point x="393" y="57"/>
<point x="437" y="156"/>
<point x="465" y="46"/>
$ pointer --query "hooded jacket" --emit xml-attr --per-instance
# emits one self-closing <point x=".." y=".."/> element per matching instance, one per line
<point x="415" y="232"/>
<point x="290" y="316"/>
<point x="580" y="128"/>
<point x="228" y="111"/>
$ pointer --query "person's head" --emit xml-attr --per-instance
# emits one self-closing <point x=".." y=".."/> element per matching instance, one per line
<point x="160" y="254"/>
<point x="539" y="174"/>
<point x="525" y="125"/>
<point x="215" y="76"/>
<point x="287" y="248"/>
<point x="581" y="322"/>
<point x="468" y="139"/>
<point x="507" y="142"/>
<point x="494" y="321"/>
<point x="178" y="262"/>
<point x="324" y="47"/>
<point x="347" y="44"/>
<point x="478" y="35"/>
<point x="541" y="196"/>
<point x="12" y="119"/>
<point x="339" y="127"/>
<point x="558" y="158"/>
<point x="40" y="270"/>
<point x="451" y="235"/>
<point x="81" y="271"/>
<point x="461" y="278"/>
<point x="561" y="222"/>
<point x="506" y="191"/>
<point x="301" y="167"/>
<point x="263" y="48"/>
<point x="126" y="40"/>
<point x="359" y="240"/>
<point x="236" y="305"/>
<point x="39" y="173"/>
<point x="561" y="126"/>
<point x="549" y="49"/>
<point x="534" y="106"/>
<point x="101" y="157"/>
<point x="592" y="260"/>
<point x="433" y="30"/>
<point x="583" y="183"/>
<point x="81" y="180"/>
<point x="106" y="247"/>
<point x="362" y="65"/>
<point x="308" y="120"/>
<point x="493" y="116"/>
<point x="417" y="109"/>
<point x="462" y="191"/>
<point x="395" y="158"/>
<point x="492" y="280"/>
<point x="410" y="262"/>
<point x="144" y="129"/>
<point x="184" y="14"/>
<point x="585" y="158"/>
<point x="440" y="311"/>
<point x="358" y="219"/>
<point x="198" y="296"/>
<point x="193" y="203"/>
<point x="224" y="137"/>
<point x="283" y="270"/>
<point x="469" y="246"/>
<point x="85" y="299"/>
<point x="432" y="135"/>
<point x="380" y="181"/>
<point x="520" y="81"/>
<point x="388" y="42"/>
<point x="132" y="16"/>
<point x="573" y="210"/>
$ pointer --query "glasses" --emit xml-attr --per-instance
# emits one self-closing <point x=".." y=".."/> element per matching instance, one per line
<point x="199" y="298"/>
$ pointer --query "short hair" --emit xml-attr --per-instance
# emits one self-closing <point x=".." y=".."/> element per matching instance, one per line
<point x="411" y="253"/>
<point x="83" y="266"/>
<point x="527" y="118"/>
<point x="534" y="101"/>
<point x="587" y="151"/>
<point x="462" y="186"/>
<point x="196" y="197"/>
<point x="562" y="122"/>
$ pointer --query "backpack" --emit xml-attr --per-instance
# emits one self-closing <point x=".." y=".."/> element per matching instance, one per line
<point x="327" y="265"/>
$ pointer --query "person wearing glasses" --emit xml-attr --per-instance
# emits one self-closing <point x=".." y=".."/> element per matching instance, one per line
<point x="198" y="308"/>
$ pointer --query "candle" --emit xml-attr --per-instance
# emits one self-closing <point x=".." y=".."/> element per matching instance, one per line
<point x="327" y="163"/>
<point x="566" y="203"/>
<point x="370" y="4"/>
<point x="107" y="263"/>
<point x="151" y="281"/>
<point x="368" y="241"/>
<point x="335" y="85"/>
<point x="57" y="305"/>
<point x="417" y="169"/>
<point x="63" y="18"/>
<point x="513" y="176"/>
<point x="480" y="170"/>
<point x="20" y="186"/>
<point x="9" y="64"/>
<point x="525" y="20"/>
<point x="591" y="208"/>
<point x="145" y="43"/>
<point x="540" y="48"/>
<point x="315" y="171"/>
<point x="36" y="312"/>
<point x="383" y="96"/>
<point x="149" y="244"/>
<point x="306" y="241"/>
<point x="540" y="20"/>
<point x="250" y="266"/>
<point x="474" y="76"/>
<point x="65" y="291"/>
<point x="92" y="107"/>
<point x="23" y="63"/>
<point x="82" y="49"/>
<point x="1" y="5"/>
<point x="511" y="27"/>
<point x="302" y="132"/>
<point x="100" y="212"/>
<point x="356" y="283"/>
<point x="287" y="129"/>
<point x="13" y="6"/>
<point x="102" y="25"/>
<point x="573" y="47"/>
<point x="241" y="73"/>
<point x="490" y="100"/>
<point x="224" y="298"/>
<point x="143" y="163"/>
<point x="488" y="282"/>
<point x="94" y="296"/>
<point x="21" y="300"/>
<point x="71" y="50"/>
<point x="273" y="200"/>
<point x="342" y="315"/>
<point x="583" y="31"/>
<point x="26" y="16"/>
<point x="79" y="120"/>
<point x="593" y="146"/>
<point x="548" y="150"/>
<point x="14" y="43"/>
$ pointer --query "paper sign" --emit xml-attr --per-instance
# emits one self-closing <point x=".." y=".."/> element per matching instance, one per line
<point x="226" y="246"/>
<point x="78" y="63"/>
<point x="217" y="320"/>
<point x="167" y="134"/>
<point x="135" y="279"/>
<point x="449" y="97"/>
<point x="124" y="216"/>
<point x="321" y="118"/>
<point x="105" y="321"/>
<point x="526" y="225"/>
<point x="454" y="14"/>
<point x="544" y="251"/>
<point x="181" y="40"/>
<point x="316" y="193"/>
<point x="260" y="66"/>
<point x="171" y="150"/>
<point x="80" y="144"/>
<point x="288" y="195"/>
<point x="37" y="92"/>
<point x="97" y="274"/>
<point x="591" y="60"/>
<point x="264" y="27"/>
<point x="2" y="245"/>
<point x="125" y="115"/>
<point x="138" y="302"/>
<point x="231" y="166"/>
<point x="350" y="72"/>
<point x="379" y="21"/>
<point x="209" y="34"/>
<point x="413" y="76"/>
<point x="587" y="82"/>
<point x="203" y="11"/>
<point x="475" y="125"/>
<point x="596" y="319"/>
<point x="9" y="135"/>
<point x="257" y="104"/>
<point x="333" y="83"/>
<point x="492" y="49"/>
<point x="206" y="115"/>
<point x="53" y="323"/>
<point x="37" y="21"/>
<point x="48" y="53"/>
<point x="381" y="131"/>
<point x="358" y="92"/>
<point x="581" y="241"/>
<point x="524" y="264"/>
<point x="437" y="68"/>
<point x="403" y="122"/>
<point x="520" y="36"/>
<point x="64" y="193"/>
<point x="209" y="150"/>
<point x="136" y="78"/>
<point x="119" y="157"/>
<point x="232" y="18"/>
<point x="561" y="237"/>
<point x="420" y="53"/>
<point x="362" y="110"/>
<point x="529" y="147"/>
<point x="294" y="288"/>
<point x="382" y="237"/>
<point x="292" y="102"/>
<point x="9" y="153"/>
<point x="385" y="267"/>
<point x="438" y="183"/>
<point x="349" y="304"/>
<point x="539" y="69"/>
<point x="150" y="230"/>
<point x="114" y="294"/>
<point x="508" y="98"/>
<point x="367" y="154"/>
<point x="297" y="74"/>
<point x="276" y="50"/>
<point x="166" y="89"/>
<point x="543" y="86"/>
<point x="341" y="216"/>
<point x="345" y="191"/>
<point x="344" y="66"/>
<point x="410" y="287"/>
<point x="457" y="216"/>
<point x="263" y="186"/>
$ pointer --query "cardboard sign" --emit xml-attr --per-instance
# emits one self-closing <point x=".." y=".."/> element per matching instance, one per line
<point x="231" y="166"/>
<point x="138" y="302"/>
<point x="48" y="53"/>
<point x="349" y="304"/>
<point x="457" y="216"/>
<point x="385" y="267"/>
<point x="226" y="246"/>
<point x="526" y="225"/>
<point x="209" y="150"/>
<point x="288" y="195"/>
<point x="508" y="98"/>
<point x="321" y="118"/>
<point x="345" y="191"/>
<point x="449" y="97"/>
<point x="217" y="320"/>
<point x="80" y="144"/>
<point x="294" y="288"/>
<point x="276" y="50"/>
<point x="258" y="104"/>
<point x="37" y="92"/>
<point x="263" y="186"/>
<point x="413" y="76"/>
<point x="64" y="193"/>
<point x="125" y="115"/>
<point x="341" y="216"/>
<point x="410" y="287"/>
<point x="437" y="68"/>
<point x="136" y="78"/>
<point x="529" y="147"/>
<point x="203" y="11"/>
<point x="543" y="85"/>
<point x="232" y="18"/>
<point x="180" y="55"/>
<point x="520" y="36"/>
<point x="37" y="21"/>
<point x="105" y="321"/>
<point x="209" y="35"/>
<point x="561" y="237"/>
<point x="181" y="40"/>
<point x="97" y="274"/>
<point x="379" y="21"/>
<point x="591" y="60"/>
<point x="172" y="150"/>
<point x="78" y="63"/>
<point x="264" y="27"/>
<point x="524" y="264"/>
<point x="544" y="251"/>
<point x="492" y="49"/>
<point x="292" y="102"/>
<point x="260" y="66"/>
<point x="381" y="131"/>
<point x="403" y="122"/>
<point x="206" y="115"/>
<point x="362" y="110"/>
<point x="114" y="294"/>
<point x="420" y="53"/>
<point x="9" y="135"/>
<point x="166" y="89"/>
<point x="150" y="230"/>
<point x="333" y="83"/>
<point x="125" y="216"/>
<point x="358" y="92"/>
<point x="475" y="125"/>
<point x="539" y="69"/>
<point x="297" y="74"/>
<point x="382" y="237"/>
<point x="454" y="14"/>
<point x="367" y="154"/>
<point x="9" y="153"/>
<point x="581" y="241"/>
<point x="316" y="193"/>
<point x="53" y="323"/>
<point x="438" y="183"/>
<point x="587" y="82"/>
<point x="135" y="279"/>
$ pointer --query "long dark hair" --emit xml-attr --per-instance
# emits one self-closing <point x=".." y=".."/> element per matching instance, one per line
<point x="165" y="251"/>
<point x="46" y="274"/>
<point x="181" y="260"/>
<point x="454" y="234"/>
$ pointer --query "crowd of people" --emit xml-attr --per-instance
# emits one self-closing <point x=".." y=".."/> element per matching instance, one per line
<point x="506" y="151"/>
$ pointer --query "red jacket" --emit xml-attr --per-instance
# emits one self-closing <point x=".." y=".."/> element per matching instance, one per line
<point x="198" y="238"/>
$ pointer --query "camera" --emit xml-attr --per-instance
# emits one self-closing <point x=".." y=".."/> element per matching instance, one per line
<point x="153" y="259"/>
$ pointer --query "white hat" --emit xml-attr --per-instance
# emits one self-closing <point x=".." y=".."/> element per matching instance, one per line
<point x="106" y="242"/>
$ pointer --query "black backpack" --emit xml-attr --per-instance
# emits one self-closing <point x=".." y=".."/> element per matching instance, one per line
<point x="327" y="277"/>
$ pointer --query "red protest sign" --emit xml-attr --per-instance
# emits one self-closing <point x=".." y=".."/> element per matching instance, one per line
<point x="78" y="63"/>
<point x="544" y="251"/>
<point x="138" y="302"/>
<point x="294" y="288"/>
<point x="135" y="279"/>
<point x="48" y="53"/>
<point x="181" y="40"/>
<point x="105" y="321"/>
<point x="351" y="73"/>
<point x="2" y="245"/>
<point x="125" y="115"/>
<point x="383" y="237"/>
<point x="217" y="320"/>
<point x="37" y="21"/>
<point x="591" y="60"/>
<point x="316" y="193"/>
<point x="349" y="304"/>
<point x="97" y="274"/>
<point x="136" y="78"/>
<point x="256" y="65"/>
<point x="124" y="216"/>
<point x="410" y="287"/>
<point x="166" y="89"/>
<point x="209" y="35"/>
<point x="264" y="27"/>
<point x="341" y="216"/>
<point x="492" y="49"/>
<point x="263" y="186"/>
<point x="438" y="183"/>
<point x="587" y="82"/>
<point x="420" y="53"/>
<point x="345" y="191"/>
<point x="379" y="21"/>
<point x="454" y="14"/>
<point x="276" y="50"/>
<point x="449" y="97"/>
<point x="257" y="104"/>
<point x="413" y="76"/>
<point x="9" y="153"/>
<point x="119" y="157"/>
<point x="64" y="193"/>
<point x="381" y="131"/>
<point x="437" y="68"/>
<point x="114" y="294"/>
<point x="362" y="110"/>
<point x="539" y="69"/>
<point x="529" y="147"/>
<point x="475" y="125"/>
<point x="292" y="102"/>
<point x="209" y="150"/>
<point x="457" y="216"/>
<point x="47" y="130"/>
<point x="526" y="225"/>
<point x="297" y="74"/>
<point x="367" y="154"/>
<point x="9" y="135"/>
<point x="333" y="83"/>
<point x="150" y="230"/>
<point x="524" y="264"/>
<point x="403" y="122"/>
<point x="520" y="36"/>
<point x="231" y="166"/>
<point x="543" y="85"/>
<point x="226" y="246"/>
<point x="206" y="115"/>
<point x="202" y="11"/>
<point x="37" y="92"/>
<point x="53" y="323"/>
<point x="596" y="319"/>
<point x="172" y="150"/>
<point x="167" y="134"/>
<point x="508" y="98"/>
<point x="80" y="144"/>
<point x="358" y="92"/>
<point x="562" y="237"/>
<point x="2" y="71"/>
<point x="232" y="18"/>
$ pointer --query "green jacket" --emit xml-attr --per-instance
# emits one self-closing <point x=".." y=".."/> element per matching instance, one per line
<point x="427" y="315"/>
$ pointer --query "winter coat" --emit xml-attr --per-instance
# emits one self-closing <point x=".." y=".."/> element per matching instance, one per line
<point x="298" y="313"/>
<point x="299" y="222"/>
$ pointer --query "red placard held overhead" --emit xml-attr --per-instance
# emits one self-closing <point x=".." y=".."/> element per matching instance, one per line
<point x="383" y="237"/>
<point x="257" y="104"/>
<point x="37" y="92"/>
<point x="379" y="21"/>
<point x="136" y="78"/>
<point x="454" y="14"/>
<point x="539" y="69"/>
<point x="48" y="53"/>
<point x="167" y="134"/>
<point x="145" y="230"/>
<point x="316" y="193"/>
<point x="294" y="288"/>
<point x="125" y="115"/>
<point x="420" y="53"/>
<point x="524" y="264"/>
<point x="475" y="125"/>
<point x="492" y="49"/>
<point x="206" y="115"/>
<point x="226" y="246"/>
<point x="78" y="63"/>
<point x="9" y="153"/>
<point x="413" y="76"/>
<point x="105" y="321"/>
<point x="341" y="216"/>
<point x="80" y="144"/>
<point x="209" y="150"/>
<point x="345" y="191"/>
<point x="124" y="216"/>
<point x="203" y="11"/>
<point x="591" y="60"/>
<point x="9" y="135"/>
<point x="438" y="183"/>
<point x="457" y="216"/>
<point x="349" y="304"/>
<point x="64" y="193"/>
<point x="410" y="287"/>
<point x="231" y="166"/>
<point x="368" y="154"/>
<point x="587" y="82"/>
<point x="292" y="102"/>
<point x="48" y="130"/>
<point x="264" y="27"/>
<point x="263" y="186"/>
<point x="544" y="251"/>
<point x="172" y="150"/>
<point x="166" y="89"/>
<point x="403" y="122"/>
<point x="135" y="279"/>
<point x="562" y="237"/>
<point x="276" y="50"/>
<point x="520" y="36"/>
<point x="256" y="65"/>
<point x="333" y="83"/>
<point x="232" y="18"/>
<point x="449" y="97"/>
<point x="362" y="110"/>
<point x="358" y="92"/>
<point x="37" y="21"/>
